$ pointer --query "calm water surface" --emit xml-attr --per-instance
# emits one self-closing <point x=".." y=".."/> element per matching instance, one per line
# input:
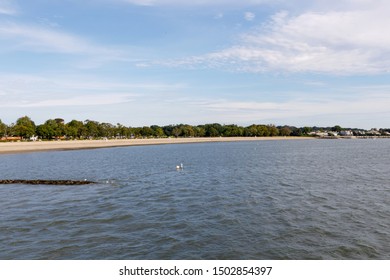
<point x="320" y="199"/>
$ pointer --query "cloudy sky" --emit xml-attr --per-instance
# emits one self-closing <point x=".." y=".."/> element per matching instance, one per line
<point x="145" y="62"/>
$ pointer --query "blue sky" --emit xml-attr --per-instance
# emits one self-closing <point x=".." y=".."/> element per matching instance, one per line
<point x="146" y="62"/>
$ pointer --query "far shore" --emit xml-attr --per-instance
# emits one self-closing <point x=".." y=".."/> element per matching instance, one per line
<point x="39" y="146"/>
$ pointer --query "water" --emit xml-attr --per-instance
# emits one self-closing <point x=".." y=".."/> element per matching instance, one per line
<point x="320" y="199"/>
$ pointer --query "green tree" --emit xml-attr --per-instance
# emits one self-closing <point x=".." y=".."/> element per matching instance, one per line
<point x="187" y="131"/>
<point x="273" y="130"/>
<point x="337" y="128"/>
<point x="157" y="131"/>
<point x="3" y="129"/>
<point x="285" y="131"/>
<point x="123" y="131"/>
<point x="250" y="130"/>
<point x="176" y="131"/>
<point x="51" y="129"/>
<point x="232" y="130"/>
<point x="75" y="129"/>
<point x="24" y="127"/>
<point x="107" y="130"/>
<point x="199" y="131"/>
<point x="214" y="130"/>
<point x="92" y="128"/>
<point x="263" y="130"/>
<point x="296" y="131"/>
<point x="146" y="131"/>
<point x="306" y="130"/>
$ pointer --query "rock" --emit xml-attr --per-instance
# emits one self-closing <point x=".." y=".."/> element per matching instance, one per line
<point x="46" y="182"/>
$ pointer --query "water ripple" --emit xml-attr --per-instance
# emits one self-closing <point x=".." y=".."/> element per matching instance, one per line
<point x="255" y="200"/>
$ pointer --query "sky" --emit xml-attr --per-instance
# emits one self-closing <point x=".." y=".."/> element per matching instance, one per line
<point x="161" y="62"/>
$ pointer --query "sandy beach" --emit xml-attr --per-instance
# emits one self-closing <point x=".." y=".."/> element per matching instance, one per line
<point x="28" y="147"/>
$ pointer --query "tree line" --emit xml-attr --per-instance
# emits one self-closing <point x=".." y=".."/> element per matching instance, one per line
<point x="25" y="128"/>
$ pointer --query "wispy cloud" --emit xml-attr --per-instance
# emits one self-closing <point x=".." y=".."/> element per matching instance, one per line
<point x="366" y="107"/>
<point x="335" y="42"/>
<point x="194" y="2"/>
<point x="16" y="37"/>
<point x="85" y="101"/>
<point x="38" y="39"/>
<point x="7" y="7"/>
<point x="249" y="16"/>
<point x="36" y="91"/>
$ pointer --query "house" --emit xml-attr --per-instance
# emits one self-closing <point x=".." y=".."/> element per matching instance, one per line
<point x="346" y="133"/>
<point x="373" y="132"/>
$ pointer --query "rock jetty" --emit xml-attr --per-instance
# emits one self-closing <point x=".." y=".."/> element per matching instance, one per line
<point x="46" y="182"/>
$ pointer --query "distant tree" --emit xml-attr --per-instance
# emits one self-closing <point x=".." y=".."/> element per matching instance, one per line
<point x="157" y="131"/>
<point x="273" y="130"/>
<point x="51" y="129"/>
<point x="146" y="131"/>
<point x="44" y="131"/>
<point x="285" y="131"/>
<point x="296" y="132"/>
<point x="250" y="130"/>
<point x="75" y="129"/>
<point x="199" y="131"/>
<point x="219" y="128"/>
<point x="92" y="128"/>
<point x="168" y="130"/>
<point x="337" y="128"/>
<point x="263" y="130"/>
<point x="136" y="131"/>
<point x="106" y="130"/>
<point x="176" y="131"/>
<point x="3" y="129"/>
<point x="187" y="131"/>
<point x="211" y="131"/>
<point x="119" y="130"/>
<point x="232" y="130"/>
<point x="306" y="130"/>
<point x="24" y="127"/>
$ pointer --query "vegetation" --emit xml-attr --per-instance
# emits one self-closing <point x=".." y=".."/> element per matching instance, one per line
<point x="53" y="129"/>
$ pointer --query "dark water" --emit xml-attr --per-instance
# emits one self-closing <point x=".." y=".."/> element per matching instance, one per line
<point x="320" y="199"/>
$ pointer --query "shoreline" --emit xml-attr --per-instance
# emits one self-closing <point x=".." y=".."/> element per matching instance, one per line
<point x="43" y="146"/>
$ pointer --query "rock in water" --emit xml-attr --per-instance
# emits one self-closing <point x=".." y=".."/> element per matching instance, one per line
<point x="47" y="182"/>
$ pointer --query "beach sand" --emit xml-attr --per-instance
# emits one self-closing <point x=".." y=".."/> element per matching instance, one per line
<point x="27" y="147"/>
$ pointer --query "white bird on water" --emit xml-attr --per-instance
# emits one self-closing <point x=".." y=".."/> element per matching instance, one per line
<point x="180" y="167"/>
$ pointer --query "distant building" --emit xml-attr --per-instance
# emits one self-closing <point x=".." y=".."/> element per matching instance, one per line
<point x="346" y="133"/>
<point x="373" y="132"/>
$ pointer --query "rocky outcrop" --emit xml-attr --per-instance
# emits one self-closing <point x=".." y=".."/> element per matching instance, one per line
<point x="47" y="182"/>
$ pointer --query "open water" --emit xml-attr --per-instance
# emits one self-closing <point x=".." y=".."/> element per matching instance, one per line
<point x="320" y="199"/>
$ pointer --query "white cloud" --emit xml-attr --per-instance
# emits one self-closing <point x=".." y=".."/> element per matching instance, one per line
<point x="367" y="107"/>
<point x="334" y="42"/>
<point x="40" y="39"/>
<point x="84" y="100"/>
<point x="141" y="2"/>
<point x="195" y="2"/>
<point x="30" y="91"/>
<point x="249" y="16"/>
